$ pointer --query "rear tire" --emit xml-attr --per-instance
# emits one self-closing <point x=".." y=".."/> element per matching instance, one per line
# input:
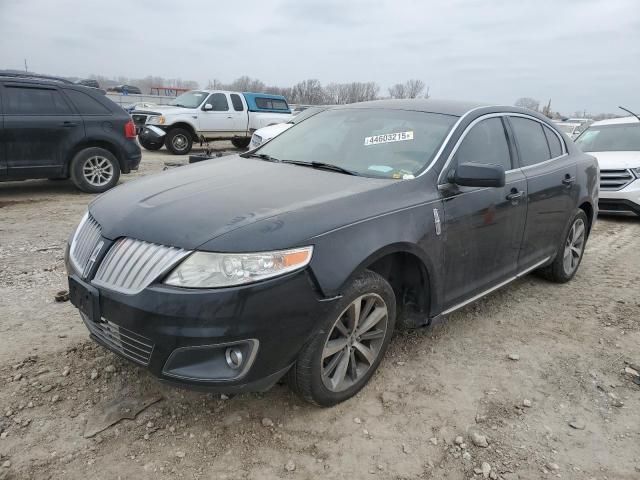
<point x="149" y="145"/>
<point x="570" y="251"/>
<point x="179" y="141"/>
<point x="339" y="361"/>
<point x="241" y="142"/>
<point x="95" y="170"/>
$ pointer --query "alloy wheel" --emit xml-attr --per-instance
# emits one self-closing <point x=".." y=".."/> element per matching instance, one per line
<point x="574" y="246"/>
<point x="354" y="343"/>
<point x="97" y="170"/>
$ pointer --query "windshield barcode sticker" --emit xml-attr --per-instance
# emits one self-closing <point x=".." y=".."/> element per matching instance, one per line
<point x="388" y="138"/>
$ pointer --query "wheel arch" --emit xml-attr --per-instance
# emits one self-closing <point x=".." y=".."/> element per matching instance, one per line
<point x="589" y="211"/>
<point x="410" y="274"/>
<point x="186" y="126"/>
<point x="93" y="143"/>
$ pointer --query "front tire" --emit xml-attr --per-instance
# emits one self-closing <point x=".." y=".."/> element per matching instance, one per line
<point x="179" y="141"/>
<point x="570" y="251"/>
<point x="95" y="170"/>
<point x="241" y="142"/>
<point x="339" y="361"/>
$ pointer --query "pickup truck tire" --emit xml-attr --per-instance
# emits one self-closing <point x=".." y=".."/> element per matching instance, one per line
<point x="95" y="170"/>
<point x="343" y="355"/>
<point x="570" y="251"/>
<point x="179" y="141"/>
<point x="241" y="142"/>
<point x="149" y="145"/>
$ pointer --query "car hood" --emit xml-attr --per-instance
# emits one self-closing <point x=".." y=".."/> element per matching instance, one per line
<point x="163" y="110"/>
<point x="188" y="206"/>
<point x="267" y="133"/>
<point x="614" y="160"/>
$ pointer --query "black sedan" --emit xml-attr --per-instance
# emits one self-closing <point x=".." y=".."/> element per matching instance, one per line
<point x="300" y="258"/>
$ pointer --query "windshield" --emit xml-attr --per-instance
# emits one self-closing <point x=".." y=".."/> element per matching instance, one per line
<point x="610" y="138"/>
<point x="309" y="112"/>
<point x="369" y="142"/>
<point x="190" y="99"/>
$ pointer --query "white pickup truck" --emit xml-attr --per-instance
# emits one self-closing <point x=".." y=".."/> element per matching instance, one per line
<point x="208" y="114"/>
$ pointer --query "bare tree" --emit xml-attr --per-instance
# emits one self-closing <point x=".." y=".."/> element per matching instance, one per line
<point x="413" y="88"/>
<point x="308" y="92"/>
<point x="397" y="91"/>
<point x="528" y="102"/>
<point x="246" y="84"/>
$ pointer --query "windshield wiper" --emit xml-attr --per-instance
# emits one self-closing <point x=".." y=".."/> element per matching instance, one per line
<point x="322" y="166"/>
<point x="261" y="156"/>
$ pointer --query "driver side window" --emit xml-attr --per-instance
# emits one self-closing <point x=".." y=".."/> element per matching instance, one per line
<point x="485" y="143"/>
<point x="219" y="102"/>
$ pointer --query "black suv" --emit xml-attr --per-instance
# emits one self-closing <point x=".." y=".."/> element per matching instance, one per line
<point x="52" y="128"/>
<point x="301" y="256"/>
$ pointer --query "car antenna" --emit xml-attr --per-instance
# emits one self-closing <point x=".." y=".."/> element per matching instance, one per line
<point x="629" y="111"/>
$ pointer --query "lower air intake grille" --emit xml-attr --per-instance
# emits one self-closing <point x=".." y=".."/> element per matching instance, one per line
<point x="125" y="342"/>
<point x="131" y="265"/>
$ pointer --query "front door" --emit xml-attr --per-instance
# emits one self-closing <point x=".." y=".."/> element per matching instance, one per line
<point x="483" y="226"/>
<point x="40" y="128"/>
<point x="551" y="192"/>
<point x="221" y="120"/>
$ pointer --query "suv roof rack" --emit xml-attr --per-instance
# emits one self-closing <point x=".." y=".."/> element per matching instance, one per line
<point x="33" y="76"/>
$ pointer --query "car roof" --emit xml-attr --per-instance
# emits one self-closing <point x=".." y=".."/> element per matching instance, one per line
<point x="615" y="121"/>
<point x="34" y="79"/>
<point x="447" y="107"/>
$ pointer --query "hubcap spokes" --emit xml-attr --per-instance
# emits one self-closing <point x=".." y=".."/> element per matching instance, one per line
<point x="573" y="247"/>
<point x="354" y="342"/>
<point x="98" y="171"/>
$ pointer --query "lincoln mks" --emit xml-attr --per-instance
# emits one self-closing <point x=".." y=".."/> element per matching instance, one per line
<point x="301" y="257"/>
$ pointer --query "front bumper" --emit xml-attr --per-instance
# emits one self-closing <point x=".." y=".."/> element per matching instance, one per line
<point x="181" y="335"/>
<point x="621" y="202"/>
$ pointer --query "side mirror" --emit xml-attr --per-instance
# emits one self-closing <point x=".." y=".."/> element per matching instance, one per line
<point x="478" y="175"/>
<point x="207" y="107"/>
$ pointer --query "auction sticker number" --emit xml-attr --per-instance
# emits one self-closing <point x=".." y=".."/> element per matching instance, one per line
<point x="388" y="138"/>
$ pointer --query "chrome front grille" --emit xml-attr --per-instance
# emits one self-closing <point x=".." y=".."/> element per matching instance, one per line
<point x="125" y="342"/>
<point x="615" y="179"/>
<point x="86" y="239"/>
<point x="131" y="265"/>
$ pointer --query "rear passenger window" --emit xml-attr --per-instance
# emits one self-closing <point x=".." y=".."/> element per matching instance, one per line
<point x="271" y="104"/>
<point x="554" y="142"/>
<point x="35" y="101"/>
<point x="485" y="143"/>
<point x="219" y="102"/>
<point x="237" y="102"/>
<point x="532" y="143"/>
<point x="85" y="104"/>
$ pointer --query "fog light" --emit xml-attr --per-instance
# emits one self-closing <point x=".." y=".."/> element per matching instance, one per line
<point x="234" y="357"/>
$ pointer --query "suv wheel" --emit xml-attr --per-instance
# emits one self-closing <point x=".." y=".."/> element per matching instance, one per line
<point x="95" y="170"/>
<point x="570" y="251"/>
<point x="179" y="141"/>
<point x="346" y="352"/>
<point x="241" y="142"/>
<point x="149" y="145"/>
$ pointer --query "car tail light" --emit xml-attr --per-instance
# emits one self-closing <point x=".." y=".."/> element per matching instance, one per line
<point x="130" y="129"/>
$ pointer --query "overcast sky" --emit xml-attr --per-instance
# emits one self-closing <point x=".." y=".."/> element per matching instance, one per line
<point x="583" y="54"/>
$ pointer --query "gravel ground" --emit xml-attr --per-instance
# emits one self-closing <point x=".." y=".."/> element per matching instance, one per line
<point x="528" y="383"/>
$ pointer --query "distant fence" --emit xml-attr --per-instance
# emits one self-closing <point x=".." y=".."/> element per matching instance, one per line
<point x="124" y="100"/>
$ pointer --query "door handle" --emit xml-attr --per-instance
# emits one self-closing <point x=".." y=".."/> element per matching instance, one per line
<point x="568" y="180"/>
<point x="229" y="117"/>
<point x="515" y="195"/>
<point x="69" y="124"/>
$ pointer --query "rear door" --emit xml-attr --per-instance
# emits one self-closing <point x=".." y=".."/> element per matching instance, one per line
<point x="40" y="129"/>
<point x="551" y="175"/>
<point x="483" y="226"/>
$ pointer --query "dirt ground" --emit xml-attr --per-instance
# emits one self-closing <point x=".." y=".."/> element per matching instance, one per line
<point x="560" y="407"/>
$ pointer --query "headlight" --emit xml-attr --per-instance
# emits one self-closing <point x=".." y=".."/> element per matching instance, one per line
<point x="156" y="119"/>
<point x="213" y="270"/>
